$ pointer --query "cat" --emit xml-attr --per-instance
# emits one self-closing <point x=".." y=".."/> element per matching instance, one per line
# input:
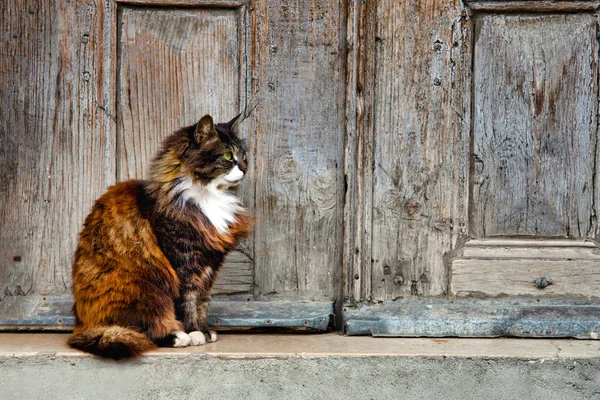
<point x="150" y="250"/>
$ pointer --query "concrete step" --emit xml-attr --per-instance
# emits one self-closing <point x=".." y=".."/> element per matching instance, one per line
<point x="306" y="366"/>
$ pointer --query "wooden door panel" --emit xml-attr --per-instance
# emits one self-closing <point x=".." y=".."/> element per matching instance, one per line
<point x="298" y="70"/>
<point x="502" y="245"/>
<point x="54" y="151"/>
<point x="535" y="104"/>
<point x="419" y="174"/>
<point x="174" y="66"/>
<point x="534" y="126"/>
<point x="101" y="87"/>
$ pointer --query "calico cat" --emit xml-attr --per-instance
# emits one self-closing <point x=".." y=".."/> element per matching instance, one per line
<point x="150" y="250"/>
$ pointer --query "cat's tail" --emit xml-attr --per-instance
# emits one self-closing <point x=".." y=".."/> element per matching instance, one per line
<point x="114" y="342"/>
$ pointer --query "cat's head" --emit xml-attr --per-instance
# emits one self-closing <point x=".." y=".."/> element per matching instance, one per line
<point x="215" y="154"/>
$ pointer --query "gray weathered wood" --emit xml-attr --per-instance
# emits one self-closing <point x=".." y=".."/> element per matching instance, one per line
<point x="55" y="146"/>
<point x="532" y="5"/>
<point x="291" y="313"/>
<point x="527" y="267"/>
<point x="235" y="276"/>
<point x="176" y="65"/>
<point x="54" y="313"/>
<point x="358" y="152"/>
<point x="420" y="147"/>
<point x="531" y="248"/>
<point x="298" y="71"/>
<point x="183" y="3"/>
<point x="535" y="113"/>
<point x="476" y="318"/>
<point x="571" y="278"/>
<point x="359" y="170"/>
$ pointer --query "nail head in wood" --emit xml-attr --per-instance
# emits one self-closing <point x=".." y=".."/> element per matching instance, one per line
<point x="542" y="283"/>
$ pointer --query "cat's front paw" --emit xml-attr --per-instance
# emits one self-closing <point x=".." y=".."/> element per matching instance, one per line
<point x="181" y="339"/>
<point x="199" y="338"/>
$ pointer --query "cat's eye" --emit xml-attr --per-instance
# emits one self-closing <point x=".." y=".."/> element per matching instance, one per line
<point x="228" y="156"/>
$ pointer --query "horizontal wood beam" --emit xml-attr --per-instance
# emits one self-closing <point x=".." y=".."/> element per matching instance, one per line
<point x="54" y="314"/>
<point x="475" y="318"/>
<point x="532" y="6"/>
<point x="182" y="3"/>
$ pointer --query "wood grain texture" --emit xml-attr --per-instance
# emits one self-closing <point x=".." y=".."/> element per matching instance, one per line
<point x="358" y="152"/>
<point x="511" y="266"/>
<point x="420" y="146"/>
<point x="54" y="148"/>
<point x="175" y="65"/>
<point x="532" y="6"/>
<point x="535" y="117"/>
<point x="566" y="249"/>
<point x="517" y="277"/>
<point x="298" y="72"/>
<point x="183" y="3"/>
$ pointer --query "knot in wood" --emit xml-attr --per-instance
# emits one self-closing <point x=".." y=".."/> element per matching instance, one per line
<point x="323" y="192"/>
<point x="412" y="207"/>
<point x="287" y="169"/>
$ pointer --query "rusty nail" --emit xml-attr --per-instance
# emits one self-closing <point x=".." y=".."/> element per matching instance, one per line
<point x="399" y="280"/>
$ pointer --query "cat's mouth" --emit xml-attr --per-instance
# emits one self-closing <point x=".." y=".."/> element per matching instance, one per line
<point x="234" y="176"/>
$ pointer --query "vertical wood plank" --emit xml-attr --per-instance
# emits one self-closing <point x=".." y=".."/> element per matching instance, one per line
<point x="535" y="125"/>
<point x="358" y="156"/>
<point x="298" y="68"/>
<point x="420" y="166"/>
<point x="54" y="157"/>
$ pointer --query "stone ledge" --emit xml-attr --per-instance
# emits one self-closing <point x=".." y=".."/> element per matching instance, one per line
<point x="306" y="366"/>
<point x="328" y="344"/>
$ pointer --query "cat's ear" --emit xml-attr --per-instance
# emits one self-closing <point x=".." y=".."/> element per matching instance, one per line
<point x="205" y="129"/>
<point x="231" y="123"/>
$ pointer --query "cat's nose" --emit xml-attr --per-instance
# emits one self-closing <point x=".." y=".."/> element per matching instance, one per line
<point x="243" y="168"/>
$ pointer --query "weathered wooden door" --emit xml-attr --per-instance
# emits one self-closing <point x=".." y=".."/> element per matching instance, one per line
<point x="479" y="199"/>
<point x="420" y="167"/>
<point x="89" y="90"/>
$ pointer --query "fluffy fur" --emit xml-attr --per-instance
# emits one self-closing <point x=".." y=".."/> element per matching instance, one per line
<point x="150" y="250"/>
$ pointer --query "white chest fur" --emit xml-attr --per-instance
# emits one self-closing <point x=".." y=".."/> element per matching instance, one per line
<point x="219" y="206"/>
